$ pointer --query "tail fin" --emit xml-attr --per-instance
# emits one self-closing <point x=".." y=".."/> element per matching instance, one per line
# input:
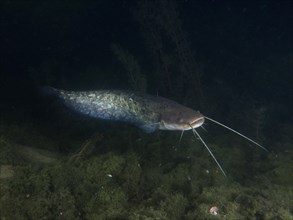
<point x="48" y="91"/>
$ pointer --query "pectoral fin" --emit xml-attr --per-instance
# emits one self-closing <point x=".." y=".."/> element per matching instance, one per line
<point x="149" y="128"/>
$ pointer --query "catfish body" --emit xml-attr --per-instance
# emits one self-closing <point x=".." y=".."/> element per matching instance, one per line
<point x="144" y="111"/>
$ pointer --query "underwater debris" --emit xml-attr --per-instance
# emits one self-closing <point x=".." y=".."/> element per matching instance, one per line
<point x="215" y="211"/>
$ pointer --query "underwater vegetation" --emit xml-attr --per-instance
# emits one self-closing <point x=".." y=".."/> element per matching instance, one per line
<point x="138" y="177"/>
<point x="136" y="78"/>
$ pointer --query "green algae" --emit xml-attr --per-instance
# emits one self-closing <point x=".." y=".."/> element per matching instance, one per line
<point x="149" y="180"/>
<point x="107" y="203"/>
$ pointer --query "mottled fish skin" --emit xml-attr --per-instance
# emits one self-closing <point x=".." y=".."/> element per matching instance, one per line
<point x="145" y="111"/>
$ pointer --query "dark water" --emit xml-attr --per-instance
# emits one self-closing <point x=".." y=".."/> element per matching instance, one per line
<point x="232" y="60"/>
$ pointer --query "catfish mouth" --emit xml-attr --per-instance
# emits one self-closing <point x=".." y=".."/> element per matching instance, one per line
<point x="196" y="122"/>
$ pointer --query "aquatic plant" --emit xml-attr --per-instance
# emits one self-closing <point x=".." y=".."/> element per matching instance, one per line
<point x="174" y="205"/>
<point x="180" y="73"/>
<point x="148" y="179"/>
<point x="131" y="176"/>
<point x="107" y="203"/>
<point x="136" y="78"/>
